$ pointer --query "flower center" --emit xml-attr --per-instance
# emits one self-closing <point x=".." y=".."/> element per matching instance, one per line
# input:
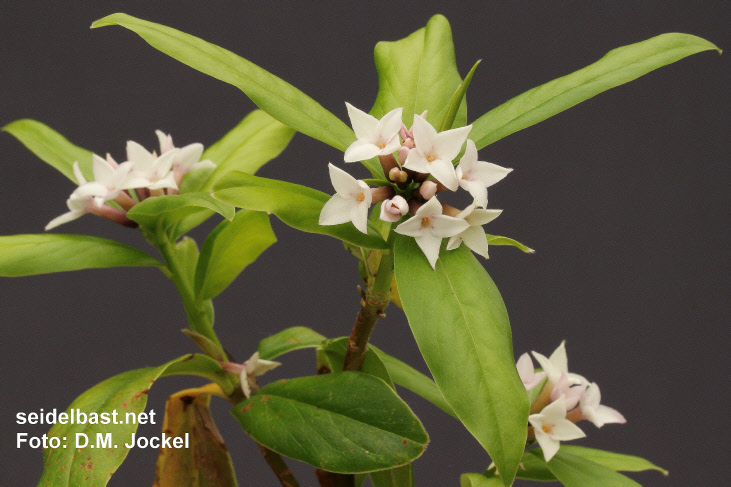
<point x="360" y="197"/>
<point x="381" y="145"/>
<point x="431" y="158"/>
<point x="425" y="221"/>
<point x="547" y="428"/>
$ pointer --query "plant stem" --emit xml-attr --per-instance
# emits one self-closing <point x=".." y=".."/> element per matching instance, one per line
<point x="372" y="306"/>
<point x="199" y="318"/>
<point x="278" y="466"/>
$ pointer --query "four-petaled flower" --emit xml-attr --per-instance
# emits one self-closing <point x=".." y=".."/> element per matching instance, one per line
<point x="187" y="159"/>
<point x="375" y="137"/>
<point x="350" y="203"/>
<point x="473" y="236"/>
<point x="595" y="412"/>
<point x="149" y="170"/>
<point x="433" y="152"/>
<point x="556" y="365"/>
<point x="429" y="226"/>
<point x="254" y="367"/>
<point x="551" y="427"/>
<point x="476" y="176"/>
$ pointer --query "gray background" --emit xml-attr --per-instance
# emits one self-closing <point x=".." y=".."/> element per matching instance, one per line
<point x="624" y="197"/>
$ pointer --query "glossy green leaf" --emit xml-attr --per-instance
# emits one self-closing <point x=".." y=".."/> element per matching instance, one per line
<point x="498" y="240"/>
<point x="574" y="471"/>
<point x="51" y="147"/>
<point x="533" y="467"/>
<point x="333" y="352"/>
<point x="321" y="420"/>
<point x="615" y="461"/>
<point x="617" y="67"/>
<point x="187" y="251"/>
<point x="402" y="476"/>
<point x="275" y="96"/>
<point x="166" y="212"/>
<point x="408" y="377"/>
<point x="418" y="73"/>
<point x="206" y="344"/>
<point x="256" y="140"/>
<point x="297" y="206"/>
<point x="456" y="101"/>
<point x="289" y="340"/>
<point x="478" y="480"/>
<point x="458" y="304"/>
<point x="94" y="464"/>
<point x="229" y="249"/>
<point x="27" y="255"/>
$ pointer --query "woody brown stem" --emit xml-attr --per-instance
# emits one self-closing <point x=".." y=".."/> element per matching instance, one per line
<point x="275" y="461"/>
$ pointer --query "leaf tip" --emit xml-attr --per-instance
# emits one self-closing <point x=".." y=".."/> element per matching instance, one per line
<point x="105" y="21"/>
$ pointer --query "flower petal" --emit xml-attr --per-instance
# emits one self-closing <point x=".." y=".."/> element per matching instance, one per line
<point x="416" y="161"/>
<point x="476" y="189"/>
<point x="443" y="171"/>
<point x="336" y="210"/>
<point x="364" y="125"/>
<point x="488" y="173"/>
<point x="479" y="217"/>
<point x="444" y="226"/>
<point x="474" y="238"/>
<point x="450" y="142"/>
<point x="429" y="244"/>
<point x="345" y="184"/>
<point x="549" y="445"/>
<point x="565" y="430"/>
<point x="360" y="150"/>
<point x="65" y="218"/>
<point x="359" y="216"/>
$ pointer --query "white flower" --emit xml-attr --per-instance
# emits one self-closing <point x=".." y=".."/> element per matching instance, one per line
<point x="187" y="158"/>
<point x="81" y="201"/>
<point x="527" y="373"/>
<point x="571" y="393"/>
<point x="556" y="365"/>
<point x="551" y="427"/>
<point x="254" y="367"/>
<point x="473" y="236"/>
<point x="433" y="152"/>
<point x="595" y="412"/>
<point x="149" y="170"/>
<point x="392" y="210"/>
<point x="476" y="176"/>
<point x="375" y="137"/>
<point x="429" y="226"/>
<point x="350" y="203"/>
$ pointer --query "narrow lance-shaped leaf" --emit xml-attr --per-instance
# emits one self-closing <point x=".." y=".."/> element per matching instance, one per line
<point x="419" y="73"/>
<point x="288" y="340"/>
<point x="297" y="206"/>
<point x="575" y="471"/>
<point x="229" y="249"/>
<point x="459" y="304"/>
<point x="51" y="147"/>
<point x="478" y="480"/>
<point x="27" y="255"/>
<point x="256" y="140"/>
<point x="456" y="101"/>
<point x="617" y="67"/>
<point x="93" y="465"/>
<point x="498" y="240"/>
<point x="320" y="420"/>
<point x="275" y="96"/>
<point x="615" y="461"/>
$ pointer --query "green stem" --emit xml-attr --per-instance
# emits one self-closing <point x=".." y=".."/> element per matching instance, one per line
<point x="198" y="313"/>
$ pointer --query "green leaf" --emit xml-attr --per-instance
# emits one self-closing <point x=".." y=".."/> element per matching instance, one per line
<point x="120" y="395"/>
<point x="413" y="380"/>
<point x="297" y="206"/>
<point x="418" y="73"/>
<point x="165" y="212"/>
<point x="459" y="304"/>
<point x="51" y="147"/>
<point x="533" y="467"/>
<point x="478" y="480"/>
<point x="333" y="351"/>
<point x="229" y="249"/>
<point x="187" y="250"/>
<point x="615" y="461"/>
<point x="456" y="101"/>
<point x="574" y="471"/>
<point x="395" y="477"/>
<point x="498" y="240"/>
<point x="27" y="255"/>
<point x="206" y="344"/>
<point x="256" y="140"/>
<point x="275" y="96"/>
<point x="288" y="340"/>
<point x="617" y="67"/>
<point x="321" y="420"/>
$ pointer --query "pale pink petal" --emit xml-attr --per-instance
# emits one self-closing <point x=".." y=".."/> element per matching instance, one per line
<point x="77" y="173"/>
<point x="389" y="125"/>
<point x="479" y="217"/>
<point x="425" y="136"/>
<point x="526" y="371"/>
<point x="549" y="445"/>
<point x="103" y="171"/>
<point x="139" y="156"/>
<point x="469" y="159"/>
<point x="65" y="218"/>
<point x="566" y="430"/>
<point x="558" y="358"/>
<point x="386" y="214"/>
<point x="605" y="415"/>
<point x="454" y="242"/>
<point x="411" y="227"/>
<point x="476" y="189"/>
<point x="188" y="156"/>
<point x="359" y="216"/>
<point x="416" y="161"/>
<point x="488" y="173"/>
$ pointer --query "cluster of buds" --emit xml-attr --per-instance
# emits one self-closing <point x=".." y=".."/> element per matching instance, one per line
<point x="563" y="400"/>
<point x="144" y="174"/>
<point x="421" y="167"/>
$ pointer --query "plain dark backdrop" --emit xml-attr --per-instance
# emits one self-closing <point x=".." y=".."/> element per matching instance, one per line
<point x="625" y="198"/>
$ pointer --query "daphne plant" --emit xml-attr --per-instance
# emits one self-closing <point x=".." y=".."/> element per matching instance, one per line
<point x="412" y="249"/>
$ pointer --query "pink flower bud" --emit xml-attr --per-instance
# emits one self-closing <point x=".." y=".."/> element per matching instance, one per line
<point x="393" y="209"/>
<point x="428" y="189"/>
<point x="403" y="153"/>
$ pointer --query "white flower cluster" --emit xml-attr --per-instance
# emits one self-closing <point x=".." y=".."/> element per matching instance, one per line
<point x="422" y="152"/>
<point x="144" y="174"/>
<point x="564" y="399"/>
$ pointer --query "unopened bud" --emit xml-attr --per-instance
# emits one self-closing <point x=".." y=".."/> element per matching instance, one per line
<point x="392" y="210"/>
<point x="428" y="189"/>
<point x="403" y="153"/>
<point x="408" y="143"/>
<point x="388" y="162"/>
